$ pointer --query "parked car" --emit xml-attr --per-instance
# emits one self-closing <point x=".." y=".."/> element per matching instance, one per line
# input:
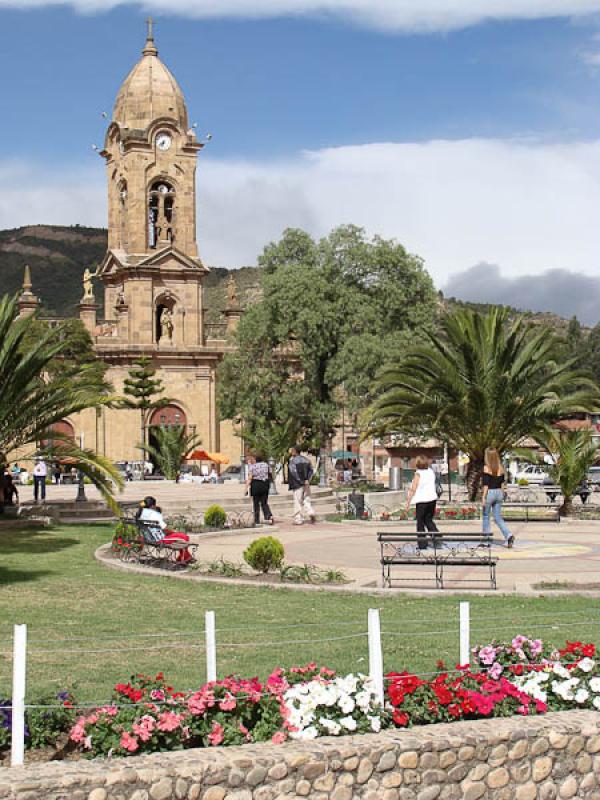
<point x="232" y="473"/>
<point x="532" y="473"/>
<point x="593" y="476"/>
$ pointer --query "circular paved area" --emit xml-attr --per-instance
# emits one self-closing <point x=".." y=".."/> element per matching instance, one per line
<point x="550" y="552"/>
<point x="544" y="551"/>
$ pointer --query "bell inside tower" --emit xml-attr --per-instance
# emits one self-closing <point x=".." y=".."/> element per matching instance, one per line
<point x="161" y="214"/>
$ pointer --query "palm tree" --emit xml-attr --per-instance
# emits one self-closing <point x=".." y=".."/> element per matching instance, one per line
<point x="172" y="446"/>
<point x="482" y="381"/>
<point x="572" y="453"/>
<point x="34" y="396"/>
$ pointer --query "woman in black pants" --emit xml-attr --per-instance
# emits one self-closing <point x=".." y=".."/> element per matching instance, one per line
<point x="423" y="495"/>
<point x="258" y="482"/>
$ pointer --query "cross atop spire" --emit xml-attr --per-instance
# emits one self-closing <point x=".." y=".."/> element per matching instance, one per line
<point x="150" y="48"/>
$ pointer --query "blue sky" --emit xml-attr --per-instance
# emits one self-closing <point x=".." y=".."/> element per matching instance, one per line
<point x="272" y="87"/>
<point x="473" y="141"/>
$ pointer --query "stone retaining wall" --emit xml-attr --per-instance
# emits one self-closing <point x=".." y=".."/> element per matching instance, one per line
<point x="554" y="756"/>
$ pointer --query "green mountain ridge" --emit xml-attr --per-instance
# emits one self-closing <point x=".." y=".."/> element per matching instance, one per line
<point x="58" y="256"/>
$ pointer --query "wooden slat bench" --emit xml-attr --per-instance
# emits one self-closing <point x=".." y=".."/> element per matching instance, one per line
<point x="444" y="550"/>
<point x="151" y="549"/>
<point x="541" y="512"/>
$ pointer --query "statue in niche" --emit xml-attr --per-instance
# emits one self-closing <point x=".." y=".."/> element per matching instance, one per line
<point x="88" y="289"/>
<point x="121" y="298"/>
<point x="232" y="298"/>
<point x="166" y="324"/>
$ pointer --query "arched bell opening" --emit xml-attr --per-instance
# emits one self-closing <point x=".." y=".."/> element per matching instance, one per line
<point x="161" y="214"/>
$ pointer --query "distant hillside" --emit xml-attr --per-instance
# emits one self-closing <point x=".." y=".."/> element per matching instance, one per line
<point x="59" y="255"/>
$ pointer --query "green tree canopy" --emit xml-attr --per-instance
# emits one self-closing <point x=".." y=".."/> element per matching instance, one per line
<point x="483" y="381"/>
<point x="332" y="312"/>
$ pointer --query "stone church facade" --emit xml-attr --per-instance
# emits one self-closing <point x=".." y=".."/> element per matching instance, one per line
<point x="152" y="275"/>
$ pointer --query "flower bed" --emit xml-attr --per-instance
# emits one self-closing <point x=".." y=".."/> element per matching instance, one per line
<point x="521" y="677"/>
<point x="457" y="511"/>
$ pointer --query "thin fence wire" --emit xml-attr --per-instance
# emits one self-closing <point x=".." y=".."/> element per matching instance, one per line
<point x="476" y="670"/>
<point x="512" y="618"/>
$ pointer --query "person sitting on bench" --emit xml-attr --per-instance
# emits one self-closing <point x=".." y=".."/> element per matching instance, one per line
<point x="149" y="512"/>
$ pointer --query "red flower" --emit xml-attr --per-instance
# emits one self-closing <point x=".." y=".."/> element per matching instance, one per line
<point x="454" y="710"/>
<point x="400" y="719"/>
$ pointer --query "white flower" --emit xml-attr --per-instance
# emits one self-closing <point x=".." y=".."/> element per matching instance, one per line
<point x="561" y="671"/>
<point x="330" y="725"/>
<point x="375" y="723"/>
<point x="349" y="723"/>
<point x="346" y="704"/>
<point x="596" y="703"/>
<point x="595" y="685"/>
<point x="586" y="664"/>
<point x="308" y="733"/>
<point x="581" y="695"/>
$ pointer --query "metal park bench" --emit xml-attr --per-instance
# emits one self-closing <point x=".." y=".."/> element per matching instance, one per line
<point x="443" y="551"/>
<point x="540" y="512"/>
<point x="150" y="548"/>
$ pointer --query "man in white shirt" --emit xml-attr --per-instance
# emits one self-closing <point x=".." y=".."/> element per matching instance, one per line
<point x="40" y="471"/>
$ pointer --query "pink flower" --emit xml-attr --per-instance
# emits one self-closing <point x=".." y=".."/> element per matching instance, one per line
<point x="279" y="737"/>
<point x="111" y="711"/>
<point x="157" y="694"/>
<point x="487" y="655"/>
<point x="228" y="703"/>
<point x="143" y="729"/>
<point x="129" y="742"/>
<point x="536" y="647"/>
<point x="168" y="721"/>
<point x="78" y="730"/>
<point x="495" y="671"/>
<point x="216" y="736"/>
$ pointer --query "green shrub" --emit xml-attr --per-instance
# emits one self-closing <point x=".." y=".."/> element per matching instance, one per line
<point x="215" y="517"/>
<point x="264" y="554"/>
<point x="126" y="537"/>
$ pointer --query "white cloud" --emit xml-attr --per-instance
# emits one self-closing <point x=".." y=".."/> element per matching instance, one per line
<point x="399" y="15"/>
<point x="525" y="205"/>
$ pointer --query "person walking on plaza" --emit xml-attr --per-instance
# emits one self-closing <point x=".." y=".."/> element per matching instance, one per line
<point x="423" y="495"/>
<point x="258" y="483"/>
<point x="493" y="495"/>
<point x="300" y="471"/>
<point x="40" y="472"/>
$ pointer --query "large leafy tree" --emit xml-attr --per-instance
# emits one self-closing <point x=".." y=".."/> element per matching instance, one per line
<point x="171" y="445"/>
<point x="483" y="381"/>
<point x="36" y="394"/>
<point x="332" y="312"/>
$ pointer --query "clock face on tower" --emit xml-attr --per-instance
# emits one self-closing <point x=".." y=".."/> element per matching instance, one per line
<point x="163" y="141"/>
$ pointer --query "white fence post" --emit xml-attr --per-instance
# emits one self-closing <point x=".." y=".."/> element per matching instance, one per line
<point x="18" y="695"/>
<point x="375" y="653"/>
<point x="211" y="646"/>
<point x="465" y="635"/>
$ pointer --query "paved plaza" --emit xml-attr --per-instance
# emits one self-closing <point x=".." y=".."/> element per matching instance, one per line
<point x="568" y="551"/>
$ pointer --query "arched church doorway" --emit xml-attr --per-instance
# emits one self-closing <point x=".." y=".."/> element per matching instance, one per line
<point x="171" y="416"/>
<point x="63" y="429"/>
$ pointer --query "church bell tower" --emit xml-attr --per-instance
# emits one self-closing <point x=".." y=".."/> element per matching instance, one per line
<point x="152" y="274"/>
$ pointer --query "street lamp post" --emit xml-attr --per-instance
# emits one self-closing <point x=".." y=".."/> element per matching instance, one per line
<point x="81" y="497"/>
<point x="322" y="469"/>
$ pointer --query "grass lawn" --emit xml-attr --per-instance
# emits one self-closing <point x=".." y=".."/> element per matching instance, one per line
<point x="94" y="626"/>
